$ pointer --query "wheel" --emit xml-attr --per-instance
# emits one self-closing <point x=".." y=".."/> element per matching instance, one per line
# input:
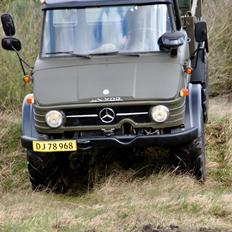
<point x="191" y="157"/>
<point x="48" y="171"/>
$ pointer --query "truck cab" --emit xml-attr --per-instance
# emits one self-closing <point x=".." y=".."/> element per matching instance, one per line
<point x="116" y="74"/>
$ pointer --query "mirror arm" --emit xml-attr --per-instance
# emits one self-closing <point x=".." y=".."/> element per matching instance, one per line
<point x="199" y="48"/>
<point x="177" y="11"/>
<point x="173" y="52"/>
<point x="22" y="59"/>
<point x="22" y="62"/>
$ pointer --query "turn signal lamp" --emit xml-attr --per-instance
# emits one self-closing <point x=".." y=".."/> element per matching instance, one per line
<point x="26" y="79"/>
<point x="188" y="71"/>
<point x="184" y="92"/>
<point x="30" y="100"/>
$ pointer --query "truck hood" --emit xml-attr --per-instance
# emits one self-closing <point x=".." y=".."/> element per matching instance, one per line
<point x="138" y="78"/>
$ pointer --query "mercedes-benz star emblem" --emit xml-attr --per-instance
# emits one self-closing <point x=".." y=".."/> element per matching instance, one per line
<point x="107" y="115"/>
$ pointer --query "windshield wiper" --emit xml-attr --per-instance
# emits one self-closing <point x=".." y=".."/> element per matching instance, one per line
<point x="135" y="54"/>
<point x="69" y="53"/>
<point x="115" y="53"/>
<point x="104" y="53"/>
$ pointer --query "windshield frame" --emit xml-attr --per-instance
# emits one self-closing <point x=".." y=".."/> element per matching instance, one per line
<point x="170" y="9"/>
<point x="58" y="4"/>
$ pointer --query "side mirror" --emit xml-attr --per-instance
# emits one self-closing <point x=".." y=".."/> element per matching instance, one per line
<point x="171" y="40"/>
<point x="8" y="25"/>
<point x="11" y="44"/>
<point x="201" y="32"/>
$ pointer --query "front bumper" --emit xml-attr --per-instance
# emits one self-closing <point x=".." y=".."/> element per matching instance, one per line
<point x="173" y="139"/>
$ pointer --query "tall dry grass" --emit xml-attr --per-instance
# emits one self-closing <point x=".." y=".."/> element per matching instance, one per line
<point x="120" y="203"/>
<point x="219" y="18"/>
<point x="12" y="158"/>
<point x="27" y="17"/>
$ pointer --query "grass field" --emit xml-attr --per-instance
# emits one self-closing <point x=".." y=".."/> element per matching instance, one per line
<point x="122" y="200"/>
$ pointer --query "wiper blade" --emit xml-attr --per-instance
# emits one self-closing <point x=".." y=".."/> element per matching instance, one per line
<point x="130" y="54"/>
<point x="69" y="53"/>
<point x="137" y="53"/>
<point x="104" y="53"/>
<point x="115" y="53"/>
<point x="81" y="55"/>
<point x="56" y="53"/>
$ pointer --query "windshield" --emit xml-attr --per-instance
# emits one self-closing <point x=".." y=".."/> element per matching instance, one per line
<point x="105" y="30"/>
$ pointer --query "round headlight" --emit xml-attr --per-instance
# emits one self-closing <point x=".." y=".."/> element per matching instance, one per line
<point x="159" y="113"/>
<point x="54" y="119"/>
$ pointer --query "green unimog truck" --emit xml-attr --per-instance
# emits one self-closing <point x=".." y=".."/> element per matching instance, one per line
<point x="125" y="73"/>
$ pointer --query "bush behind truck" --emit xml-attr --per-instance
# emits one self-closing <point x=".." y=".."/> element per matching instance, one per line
<point x="114" y="74"/>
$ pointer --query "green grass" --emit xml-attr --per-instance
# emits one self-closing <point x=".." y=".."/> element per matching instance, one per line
<point x="119" y="202"/>
<point x="121" y="206"/>
<point x="122" y="200"/>
<point x="13" y="174"/>
<point x="219" y="133"/>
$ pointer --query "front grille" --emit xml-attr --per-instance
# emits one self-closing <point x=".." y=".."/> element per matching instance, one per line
<point x="85" y="119"/>
<point x="90" y="117"/>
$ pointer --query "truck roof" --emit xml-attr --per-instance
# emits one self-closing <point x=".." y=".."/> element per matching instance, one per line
<point x="56" y="4"/>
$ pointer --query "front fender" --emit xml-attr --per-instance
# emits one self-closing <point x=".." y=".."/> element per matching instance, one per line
<point x="28" y="122"/>
<point x="194" y="111"/>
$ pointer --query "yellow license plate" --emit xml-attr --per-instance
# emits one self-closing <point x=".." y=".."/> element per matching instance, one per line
<point x="54" y="146"/>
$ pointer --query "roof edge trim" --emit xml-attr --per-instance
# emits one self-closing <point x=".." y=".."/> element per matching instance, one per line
<point x="98" y="3"/>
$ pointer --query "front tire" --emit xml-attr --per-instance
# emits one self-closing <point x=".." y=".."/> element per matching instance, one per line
<point x="48" y="171"/>
<point x="191" y="158"/>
